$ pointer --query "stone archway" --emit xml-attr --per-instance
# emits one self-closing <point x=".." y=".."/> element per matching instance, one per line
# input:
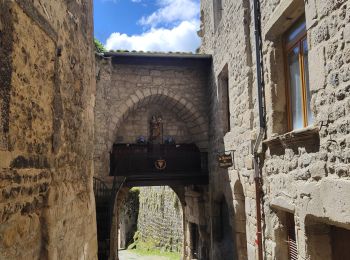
<point x="240" y="221"/>
<point x="184" y="111"/>
<point x="223" y="228"/>
<point x="196" y="121"/>
<point x="183" y="108"/>
<point x="114" y="239"/>
<point x="128" y="84"/>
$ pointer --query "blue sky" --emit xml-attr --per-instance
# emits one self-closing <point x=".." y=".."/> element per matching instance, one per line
<point x="147" y="25"/>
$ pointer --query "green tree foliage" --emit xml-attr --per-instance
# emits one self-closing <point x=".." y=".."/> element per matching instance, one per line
<point x="99" y="46"/>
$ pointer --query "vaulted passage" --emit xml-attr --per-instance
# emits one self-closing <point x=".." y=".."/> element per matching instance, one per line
<point x="151" y="128"/>
<point x="75" y="125"/>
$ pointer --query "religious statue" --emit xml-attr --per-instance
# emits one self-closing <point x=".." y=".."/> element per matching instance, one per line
<point x="156" y="128"/>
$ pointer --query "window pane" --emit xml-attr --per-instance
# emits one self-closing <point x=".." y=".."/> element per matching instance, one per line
<point x="310" y="118"/>
<point x="295" y="88"/>
<point x="298" y="29"/>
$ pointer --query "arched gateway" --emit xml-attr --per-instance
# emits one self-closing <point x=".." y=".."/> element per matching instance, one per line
<point x="151" y="128"/>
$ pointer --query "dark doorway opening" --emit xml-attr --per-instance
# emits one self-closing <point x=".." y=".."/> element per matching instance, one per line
<point x="194" y="240"/>
<point x="340" y="238"/>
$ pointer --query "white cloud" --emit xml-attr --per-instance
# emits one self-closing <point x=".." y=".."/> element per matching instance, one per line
<point x="172" y="11"/>
<point x="179" y="38"/>
<point x="172" y="27"/>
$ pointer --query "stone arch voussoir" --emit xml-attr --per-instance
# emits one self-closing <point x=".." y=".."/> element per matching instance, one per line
<point x="186" y="110"/>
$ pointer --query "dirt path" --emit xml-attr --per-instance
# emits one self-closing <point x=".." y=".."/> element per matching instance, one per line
<point x="129" y="255"/>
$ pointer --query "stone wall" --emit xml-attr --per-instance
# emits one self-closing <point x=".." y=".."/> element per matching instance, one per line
<point x="160" y="219"/>
<point x="231" y="46"/>
<point x="131" y="88"/>
<point x="127" y="216"/>
<point x="138" y="124"/>
<point x="310" y="179"/>
<point x="305" y="172"/>
<point x="129" y="94"/>
<point x="46" y="130"/>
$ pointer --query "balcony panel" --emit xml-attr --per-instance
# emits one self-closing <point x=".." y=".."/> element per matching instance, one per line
<point x="138" y="162"/>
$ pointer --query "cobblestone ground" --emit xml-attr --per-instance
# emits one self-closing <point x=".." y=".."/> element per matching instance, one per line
<point x="129" y="255"/>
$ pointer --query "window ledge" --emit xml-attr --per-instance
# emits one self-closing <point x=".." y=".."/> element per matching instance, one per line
<point x="306" y="137"/>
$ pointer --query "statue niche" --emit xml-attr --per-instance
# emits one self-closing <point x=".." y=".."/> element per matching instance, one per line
<point x="156" y="130"/>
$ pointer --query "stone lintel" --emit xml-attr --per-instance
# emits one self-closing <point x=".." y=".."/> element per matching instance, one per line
<point x="283" y="17"/>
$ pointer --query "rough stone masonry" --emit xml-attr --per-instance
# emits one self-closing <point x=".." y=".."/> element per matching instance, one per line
<point x="47" y="86"/>
<point x="153" y="217"/>
<point x="48" y="147"/>
<point x="305" y="173"/>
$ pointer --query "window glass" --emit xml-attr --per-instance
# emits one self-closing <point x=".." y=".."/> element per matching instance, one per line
<point x="296" y="30"/>
<point x="310" y="118"/>
<point x="295" y="88"/>
<point x="297" y="69"/>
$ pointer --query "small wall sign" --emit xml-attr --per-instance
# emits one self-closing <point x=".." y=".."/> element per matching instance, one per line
<point x="225" y="160"/>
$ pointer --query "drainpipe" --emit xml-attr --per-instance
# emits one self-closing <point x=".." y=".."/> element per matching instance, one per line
<point x="262" y="123"/>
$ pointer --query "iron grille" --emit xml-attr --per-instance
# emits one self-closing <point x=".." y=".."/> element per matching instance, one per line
<point x="292" y="249"/>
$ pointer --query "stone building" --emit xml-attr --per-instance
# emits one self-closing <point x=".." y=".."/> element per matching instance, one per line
<point x="131" y="89"/>
<point x="303" y="189"/>
<point x="47" y="84"/>
<point x="304" y="157"/>
<point x="57" y="130"/>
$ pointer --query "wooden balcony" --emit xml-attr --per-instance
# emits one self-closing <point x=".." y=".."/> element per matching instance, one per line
<point x="159" y="164"/>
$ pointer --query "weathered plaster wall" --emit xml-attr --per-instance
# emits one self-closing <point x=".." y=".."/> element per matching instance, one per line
<point x="160" y="219"/>
<point x="46" y="129"/>
<point x="310" y="176"/>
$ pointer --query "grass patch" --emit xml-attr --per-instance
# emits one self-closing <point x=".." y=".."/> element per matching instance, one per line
<point x="154" y="252"/>
<point x="151" y="247"/>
